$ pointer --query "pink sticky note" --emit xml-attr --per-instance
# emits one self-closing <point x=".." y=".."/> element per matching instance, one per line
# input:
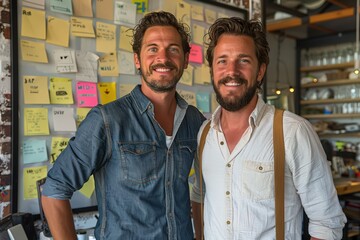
<point x="196" y="55"/>
<point x="86" y="94"/>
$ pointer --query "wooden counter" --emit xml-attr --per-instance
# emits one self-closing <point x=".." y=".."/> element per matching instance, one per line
<point x="347" y="185"/>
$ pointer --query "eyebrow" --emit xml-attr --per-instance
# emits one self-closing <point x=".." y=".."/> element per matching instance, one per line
<point x="239" y="56"/>
<point x="170" y="45"/>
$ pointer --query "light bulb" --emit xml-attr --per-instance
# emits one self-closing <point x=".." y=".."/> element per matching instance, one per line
<point x="278" y="91"/>
<point x="291" y="89"/>
<point x="356" y="67"/>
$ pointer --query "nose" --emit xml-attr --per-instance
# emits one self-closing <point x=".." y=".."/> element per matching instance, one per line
<point x="161" y="55"/>
<point x="232" y="69"/>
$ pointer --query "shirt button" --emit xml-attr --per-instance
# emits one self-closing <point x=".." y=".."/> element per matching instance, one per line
<point x="260" y="168"/>
<point x="221" y="143"/>
<point x="227" y="193"/>
<point x="228" y="165"/>
<point x="228" y="222"/>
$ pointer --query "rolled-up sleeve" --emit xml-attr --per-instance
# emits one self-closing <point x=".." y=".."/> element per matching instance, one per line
<point x="314" y="183"/>
<point x="84" y="153"/>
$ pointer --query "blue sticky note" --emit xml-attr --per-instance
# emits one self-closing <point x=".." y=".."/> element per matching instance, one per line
<point x="203" y="101"/>
<point x="61" y="6"/>
<point x="34" y="151"/>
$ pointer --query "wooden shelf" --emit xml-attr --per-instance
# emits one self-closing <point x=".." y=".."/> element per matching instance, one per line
<point x="345" y="186"/>
<point x="327" y="67"/>
<point x="329" y="83"/>
<point x="329" y="101"/>
<point x="353" y="233"/>
<point x="327" y="116"/>
<point x="293" y="22"/>
<point x="339" y="135"/>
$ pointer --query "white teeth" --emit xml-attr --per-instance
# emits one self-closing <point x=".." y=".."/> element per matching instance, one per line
<point x="232" y="84"/>
<point x="162" y="69"/>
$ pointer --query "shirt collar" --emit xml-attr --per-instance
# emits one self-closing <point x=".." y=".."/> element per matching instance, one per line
<point x="254" y="118"/>
<point x="143" y="103"/>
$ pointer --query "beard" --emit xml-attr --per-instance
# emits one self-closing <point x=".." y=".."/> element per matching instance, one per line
<point x="161" y="85"/>
<point x="234" y="103"/>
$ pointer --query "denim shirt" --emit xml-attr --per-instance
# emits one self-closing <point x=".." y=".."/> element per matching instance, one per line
<point x="141" y="185"/>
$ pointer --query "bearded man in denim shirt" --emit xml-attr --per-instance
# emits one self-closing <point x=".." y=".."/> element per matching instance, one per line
<point x="139" y="148"/>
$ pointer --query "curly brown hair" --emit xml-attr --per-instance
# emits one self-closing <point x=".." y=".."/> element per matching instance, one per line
<point x="160" y="18"/>
<point x="238" y="26"/>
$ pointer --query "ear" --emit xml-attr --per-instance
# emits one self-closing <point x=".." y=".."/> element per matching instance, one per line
<point x="186" y="60"/>
<point x="261" y="72"/>
<point x="136" y="61"/>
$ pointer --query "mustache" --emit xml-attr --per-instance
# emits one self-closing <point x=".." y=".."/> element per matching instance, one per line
<point x="163" y="65"/>
<point x="236" y="79"/>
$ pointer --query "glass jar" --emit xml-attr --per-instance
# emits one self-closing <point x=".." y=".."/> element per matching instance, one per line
<point x="349" y="54"/>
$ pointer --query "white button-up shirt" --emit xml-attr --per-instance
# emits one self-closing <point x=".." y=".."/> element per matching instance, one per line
<point x="239" y="198"/>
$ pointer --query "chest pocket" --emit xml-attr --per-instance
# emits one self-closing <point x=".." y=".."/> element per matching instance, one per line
<point x="138" y="162"/>
<point x="257" y="180"/>
<point x="187" y="150"/>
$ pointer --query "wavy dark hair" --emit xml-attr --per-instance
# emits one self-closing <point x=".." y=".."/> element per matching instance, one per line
<point x="160" y="18"/>
<point x="238" y="26"/>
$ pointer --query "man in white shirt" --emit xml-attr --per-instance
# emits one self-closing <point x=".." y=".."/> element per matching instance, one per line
<point x="238" y="162"/>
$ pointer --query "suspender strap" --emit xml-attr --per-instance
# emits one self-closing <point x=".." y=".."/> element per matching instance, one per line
<point x="279" y="170"/>
<point x="201" y="148"/>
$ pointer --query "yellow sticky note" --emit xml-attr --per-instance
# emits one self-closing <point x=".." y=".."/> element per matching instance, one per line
<point x="58" y="31"/>
<point x="108" y="65"/>
<point x="33" y="23"/>
<point x="88" y="187"/>
<point x="198" y="34"/>
<point x="81" y="114"/>
<point x="107" y="92"/>
<point x="187" y="77"/>
<point x="142" y="6"/>
<point x="61" y="91"/>
<point x="36" y="90"/>
<point x="105" y="9"/>
<point x="210" y="16"/>
<point x="31" y="175"/>
<point x="125" y="39"/>
<point x="168" y="6"/>
<point x="190" y="97"/>
<point x="205" y="71"/>
<point x="222" y="15"/>
<point x="183" y="11"/>
<point x="58" y="144"/>
<point x="36" y="121"/>
<point x="33" y="51"/>
<point x="197" y="12"/>
<point x="202" y="75"/>
<point x="105" y="37"/>
<point x="82" y="8"/>
<point x="82" y="27"/>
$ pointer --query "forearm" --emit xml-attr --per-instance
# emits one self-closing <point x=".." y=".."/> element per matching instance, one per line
<point x="59" y="217"/>
<point x="196" y="213"/>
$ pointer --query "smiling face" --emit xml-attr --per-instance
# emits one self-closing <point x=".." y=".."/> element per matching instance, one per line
<point x="162" y="60"/>
<point x="235" y="71"/>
